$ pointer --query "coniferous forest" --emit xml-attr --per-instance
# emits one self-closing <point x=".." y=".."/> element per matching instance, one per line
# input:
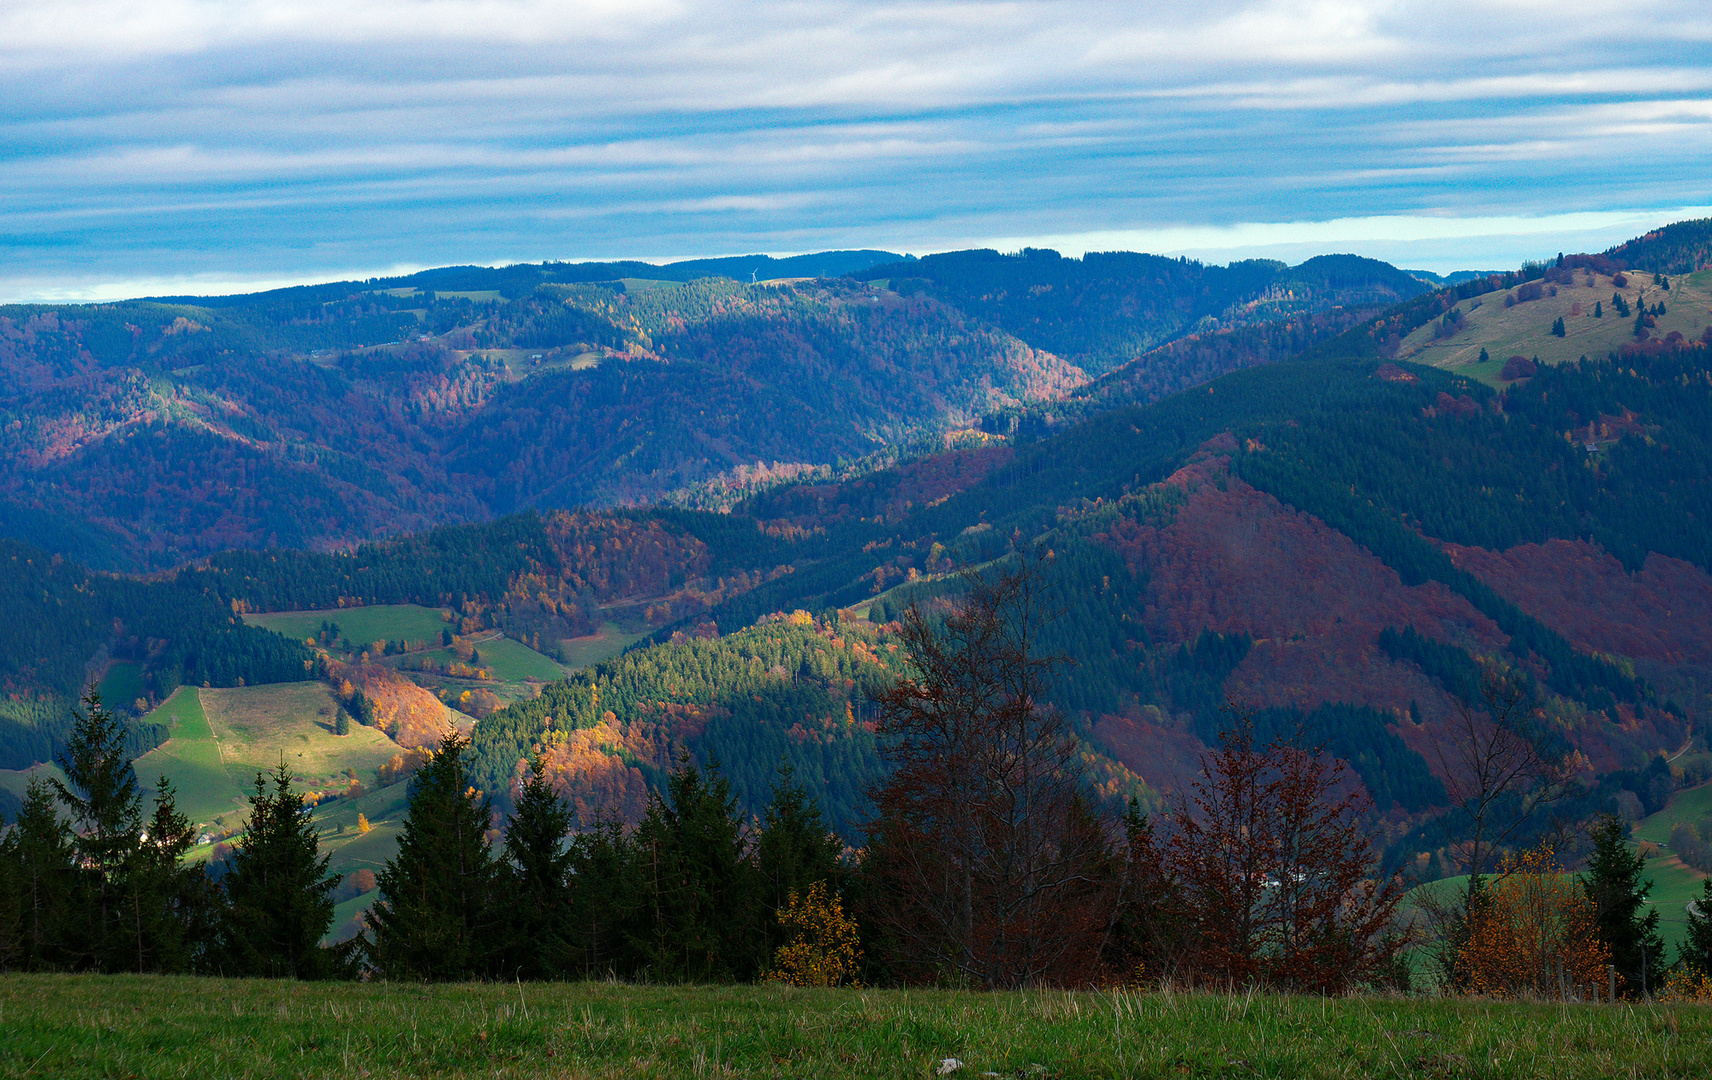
<point x="978" y="620"/>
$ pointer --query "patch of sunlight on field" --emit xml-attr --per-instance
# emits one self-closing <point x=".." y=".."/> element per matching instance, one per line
<point x="597" y="648"/>
<point x="1525" y="329"/>
<point x="359" y="625"/>
<point x="218" y="739"/>
<point x="191" y="759"/>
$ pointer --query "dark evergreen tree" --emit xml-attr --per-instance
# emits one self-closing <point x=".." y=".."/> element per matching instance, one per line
<point x="1694" y="951"/>
<point x="793" y="850"/>
<point x="436" y="912"/>
<point x="603" y="899"/>
<point x="1619" y="894"/>
<point x="105" y="806"/>
<point x="695" y="918"/>
<point x="279" y="892"/>
<point x="40" y="872"/>
<point x="171" y="911"/>
<point x="538" y="912"/>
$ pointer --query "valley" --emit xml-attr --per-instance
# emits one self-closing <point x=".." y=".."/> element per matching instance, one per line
<point x="689" y="531"/>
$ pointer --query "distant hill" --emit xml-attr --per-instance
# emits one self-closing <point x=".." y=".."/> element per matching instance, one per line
<point x="1107" y="308"/>
<point x="1334" y="536"/>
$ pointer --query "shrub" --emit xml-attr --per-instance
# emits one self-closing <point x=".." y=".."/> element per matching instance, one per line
<point x="1518" y="367"/>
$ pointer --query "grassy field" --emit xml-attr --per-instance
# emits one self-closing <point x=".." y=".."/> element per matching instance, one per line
<point x="596" y="648"/>
<point x="91" y="1026"/>
<point x="360" y="625"/>
<point x="219" y="739"/>
<point x="1525" y="329"/>
<point x="122" y="684"/>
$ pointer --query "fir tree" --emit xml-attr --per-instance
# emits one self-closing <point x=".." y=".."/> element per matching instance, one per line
<point x="105" y="805"/>
<point x="603" y="899"/>
<point x="695" y="913"/>
<point x="279" y="891"/>
<point x="1613" y="882"/>
<point x="538" y="931"/>
<point x="435" y="915"/>
<point x="794" y="850"/>
<point x="41" y="870"/>
<point x="171" y="910"/>
<point x="1694" y="951"/>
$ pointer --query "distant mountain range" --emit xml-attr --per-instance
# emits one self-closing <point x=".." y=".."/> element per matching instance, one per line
<point x="1308" y="521"/>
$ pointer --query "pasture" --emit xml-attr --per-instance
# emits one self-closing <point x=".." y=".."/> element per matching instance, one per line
<point x="1525" y="329"/>
<point x="104" y="1026"/>
<point x="220" y="738"/>
<point x="359" y="625"/>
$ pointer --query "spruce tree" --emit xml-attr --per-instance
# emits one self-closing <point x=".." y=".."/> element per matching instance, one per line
<point x="794" y="849"/>
<point x="279" y="892"/>
<point x="1619" y="894"/>
<point x="171" y="910"/>
<point x="105" y="806"/>
<point x="42" y="870"/>
<point x="435" y="915"/>
<point x="1694" y="951"/>
<point x="538" y="932"/>
<point x="604" y="891"/>
<point x="696" y="909"/>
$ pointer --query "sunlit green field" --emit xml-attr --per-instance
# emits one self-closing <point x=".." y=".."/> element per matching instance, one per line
<point x="218" y="739"/>
<point x="1525" y="329"/>
<point x="360" y="625"/>
<point x="86" y="1026"/>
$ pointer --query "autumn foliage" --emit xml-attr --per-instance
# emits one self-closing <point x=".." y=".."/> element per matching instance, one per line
<point x="822" y="947"/>
<point x="1532" y="933"/>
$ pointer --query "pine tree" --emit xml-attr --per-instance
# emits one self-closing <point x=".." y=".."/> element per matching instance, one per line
<point x="538" y="931"/>
<point x="40" y="868"/>
<point x="1558" y="327"/>
<point x="696" y="918"/>
<point x="1613" y="882"/>
<point x="794" y="850"/>
<point x="106" y="817"/>
<point x="604" y="891"/>
<point x="279" y="891"/>
<point x="171" y="910"/>
<point x="435" y="915"/>
<point x="1694" y="951"/>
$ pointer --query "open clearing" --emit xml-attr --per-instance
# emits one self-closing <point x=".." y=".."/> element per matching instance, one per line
<point x="359" y="625"/>
<point x="103" y="1026"/>
<point x="122" y="685"/>
<point x="219" y="739"/>
<point x="1525" y="329"/>
<point x="597" y="648"/>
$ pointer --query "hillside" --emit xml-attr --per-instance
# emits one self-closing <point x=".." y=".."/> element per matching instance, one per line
<point x="138" y="435"/>
<point x="1337" y="535"/>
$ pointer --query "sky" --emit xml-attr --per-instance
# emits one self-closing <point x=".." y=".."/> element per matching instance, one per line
<point x="169" y="146"/>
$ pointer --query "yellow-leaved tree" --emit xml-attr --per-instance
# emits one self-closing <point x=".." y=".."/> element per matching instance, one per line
<point x="1532" y="933"/>
<point x="822" y="947"/>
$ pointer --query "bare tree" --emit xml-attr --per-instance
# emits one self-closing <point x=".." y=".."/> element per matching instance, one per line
<point x="1494" y="771"/>
<point x="994" y="868"/>
<point x="1496" y="777"/>
<point x="1276" y="872"/>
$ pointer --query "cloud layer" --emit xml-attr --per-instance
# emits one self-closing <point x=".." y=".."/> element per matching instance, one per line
<point x="237" y="142"/>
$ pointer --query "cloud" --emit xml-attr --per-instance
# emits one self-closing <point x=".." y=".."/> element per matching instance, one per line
<point x="266" y="140"/>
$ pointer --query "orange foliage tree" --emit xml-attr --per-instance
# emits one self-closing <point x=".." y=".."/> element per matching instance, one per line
<point x="1532" y="933"/>
<point x="823" y="948"/>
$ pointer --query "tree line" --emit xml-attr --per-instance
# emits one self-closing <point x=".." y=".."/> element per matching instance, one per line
<point x="984" y="863"/>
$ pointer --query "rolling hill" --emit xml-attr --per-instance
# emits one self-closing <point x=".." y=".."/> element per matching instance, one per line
<point x="1336" y="526"/>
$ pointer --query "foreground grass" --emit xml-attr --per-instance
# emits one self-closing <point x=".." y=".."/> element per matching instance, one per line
<point x="82" y="1026"/>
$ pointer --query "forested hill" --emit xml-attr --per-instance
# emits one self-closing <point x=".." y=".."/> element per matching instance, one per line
<point x="137" y="435"/>
<point x="1107" y="308"/>
<point x="1342" y="543"/>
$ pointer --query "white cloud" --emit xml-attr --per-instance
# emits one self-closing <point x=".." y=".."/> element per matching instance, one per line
<point x="160" y="138"/>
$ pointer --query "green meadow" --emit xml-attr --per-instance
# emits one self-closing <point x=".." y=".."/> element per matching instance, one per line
<point x="77" y="1026"/>
<point x="360" y="625"/>
<point x="219" y="739"/>
<point x="1525" y="329"/>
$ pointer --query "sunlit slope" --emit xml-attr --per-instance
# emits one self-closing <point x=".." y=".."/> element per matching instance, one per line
<point x="1525" y="329"/>
<point x="220" y="738"/>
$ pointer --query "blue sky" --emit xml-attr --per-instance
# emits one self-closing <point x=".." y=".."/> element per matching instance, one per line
<point x="212" y="145"/>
